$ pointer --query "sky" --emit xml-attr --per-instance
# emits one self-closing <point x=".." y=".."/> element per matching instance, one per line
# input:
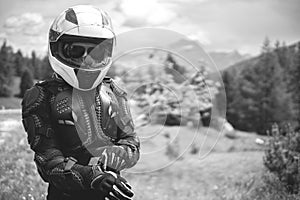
<point x="219" y="25"/>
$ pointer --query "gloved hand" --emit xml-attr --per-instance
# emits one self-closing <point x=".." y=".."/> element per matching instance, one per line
<point x="113" y="158"/>
<point x="113" y="186"/>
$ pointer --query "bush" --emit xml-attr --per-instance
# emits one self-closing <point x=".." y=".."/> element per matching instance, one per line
<point x="282" y="156"/>
<point x="268" y="187"/>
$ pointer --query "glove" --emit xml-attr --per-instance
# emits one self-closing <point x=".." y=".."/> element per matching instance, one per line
<point x="113" y="186"/>
<point x="112" y="158"/>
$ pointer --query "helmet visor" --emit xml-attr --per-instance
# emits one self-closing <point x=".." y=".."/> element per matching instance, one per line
<point x="84" y="53"/>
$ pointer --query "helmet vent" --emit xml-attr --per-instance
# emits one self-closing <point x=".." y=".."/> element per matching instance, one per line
<point x="71" y="16"/>
<point x="75" y="71"/>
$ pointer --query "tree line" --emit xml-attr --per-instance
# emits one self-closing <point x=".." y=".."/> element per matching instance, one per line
<point x="264" y="90"/>
<point x="259" y="91"/>
<point x="15" y="64"/>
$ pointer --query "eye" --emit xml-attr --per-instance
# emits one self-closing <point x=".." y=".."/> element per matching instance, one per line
<point x="73" y="51"/>
<point x="76" y="51"/>
<point x="90" y="49"/>
<point x="66" y="50"/>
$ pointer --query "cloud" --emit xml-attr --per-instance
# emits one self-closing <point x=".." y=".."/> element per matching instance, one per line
<point x="145" y="13"/>
<point x="190" y="30"/>
<point x="160" y="14"/>
<point x="26" y="31"/>
<point x="185" y="1"/>
<point x="3" y="36"/>
<point x="241" y="24"/>
<point x="26" y="23"/>
<point x="201" y="37"/>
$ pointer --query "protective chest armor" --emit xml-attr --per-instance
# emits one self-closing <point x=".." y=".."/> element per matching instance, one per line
<point x="89" y="119"/>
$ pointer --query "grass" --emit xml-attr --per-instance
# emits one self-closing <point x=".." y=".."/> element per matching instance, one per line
<point x="18" y="175"/>
<point x="217" y="176"/>
<point x="213" y="167"/>
<point x="10" y="103"/>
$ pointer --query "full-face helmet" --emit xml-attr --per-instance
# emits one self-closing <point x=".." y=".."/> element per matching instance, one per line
<point x="81" y="41"/>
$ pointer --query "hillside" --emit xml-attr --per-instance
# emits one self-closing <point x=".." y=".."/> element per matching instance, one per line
<point x="259" y="91"/>
<point x="249" y="62"/>
<point x="213" y="167"/>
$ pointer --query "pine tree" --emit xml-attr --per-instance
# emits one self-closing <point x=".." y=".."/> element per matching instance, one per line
<point x="295" y="83"/>
<point x="6" y="70"/>
<point x="260" y="99"/>
<point x="268" y="97"/>
<point x="35" y="64"/>
<point x="46" y="69"/>
<point x="26" y="82"/>
<point x="285" y="58"/>
<point x="19" y="63"/>
<point x="285" y="105"/>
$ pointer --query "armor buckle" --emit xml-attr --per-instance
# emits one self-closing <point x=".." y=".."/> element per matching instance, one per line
<point x="94" y="161"/>
<point x="70" y="162"/>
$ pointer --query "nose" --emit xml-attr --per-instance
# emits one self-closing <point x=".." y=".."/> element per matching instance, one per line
<point x="88" y="60"/>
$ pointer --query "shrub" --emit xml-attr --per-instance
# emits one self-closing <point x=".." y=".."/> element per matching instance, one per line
<point x="26" y="82"/>
<point x="282" y="156"/>
<point x="268" y="187"/>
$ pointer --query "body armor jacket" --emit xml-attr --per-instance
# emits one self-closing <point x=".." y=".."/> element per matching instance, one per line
<point x="66" y="127"/>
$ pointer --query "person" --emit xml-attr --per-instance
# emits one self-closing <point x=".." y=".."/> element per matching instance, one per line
<point x="78" y="121"/>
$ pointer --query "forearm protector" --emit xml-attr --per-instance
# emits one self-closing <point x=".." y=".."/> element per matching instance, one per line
<point x="131" y="145"/>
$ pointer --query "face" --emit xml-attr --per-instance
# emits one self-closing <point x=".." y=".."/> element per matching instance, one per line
<point x="89" y="59"/>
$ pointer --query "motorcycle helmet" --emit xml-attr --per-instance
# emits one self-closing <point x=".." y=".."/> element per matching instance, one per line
<point x="81" y="41"/>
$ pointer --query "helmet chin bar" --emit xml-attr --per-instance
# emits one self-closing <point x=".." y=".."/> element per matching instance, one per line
<point x="86" y="79"/>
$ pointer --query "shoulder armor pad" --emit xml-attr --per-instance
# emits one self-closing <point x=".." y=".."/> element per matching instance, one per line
<point x="54" y="84"/>
<point x="33" y="98"/>
<point x="117" y="89"/>
<point x="53" y="79"/>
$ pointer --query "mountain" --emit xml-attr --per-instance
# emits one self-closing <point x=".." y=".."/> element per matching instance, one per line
<point x="225" y="59"/>
<point x="193" y="50"/>
<point x="185" y="51"/>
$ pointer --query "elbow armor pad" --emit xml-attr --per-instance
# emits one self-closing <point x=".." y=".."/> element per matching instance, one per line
<point x="35" y="120"/>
